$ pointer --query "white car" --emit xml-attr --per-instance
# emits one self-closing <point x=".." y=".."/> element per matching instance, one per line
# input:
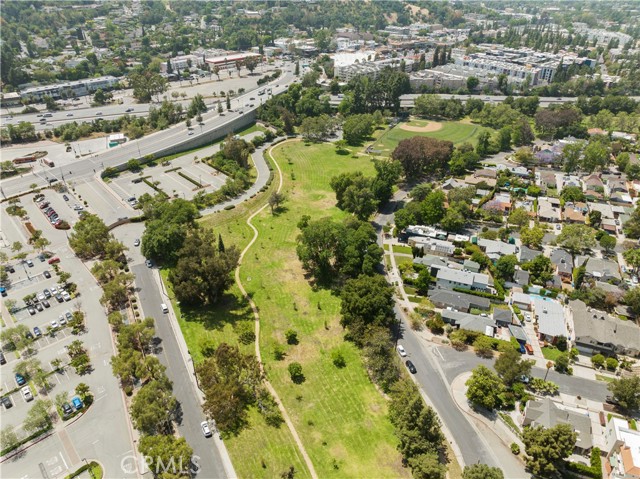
<point x="401" y="351"/>
<point x="66" y="296"/>
<point x="54" y="324"/>
<point x="205" y="429"/>
<point x="26" y="393"/>
<point x="53" y="290"/>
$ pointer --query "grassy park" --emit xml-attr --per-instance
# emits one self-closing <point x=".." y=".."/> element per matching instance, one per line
<point x="338" y="413"/>
<point x="454" y="131"/>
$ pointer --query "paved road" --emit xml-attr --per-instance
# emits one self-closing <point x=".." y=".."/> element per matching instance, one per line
<point x="210" y="460"/>
<point x="87" y="167"/>
<point x="455" y="363"/>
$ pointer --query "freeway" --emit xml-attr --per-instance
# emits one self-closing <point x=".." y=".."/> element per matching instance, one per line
<point x="87" y="167"/>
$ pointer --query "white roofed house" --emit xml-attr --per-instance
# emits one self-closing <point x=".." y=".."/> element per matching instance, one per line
<point x="432" y="245"/>
<point x="450" y="279"/>
<point x="622" y="451"/>
<point x="496" y="249"/>
<point x="550" y="318"/>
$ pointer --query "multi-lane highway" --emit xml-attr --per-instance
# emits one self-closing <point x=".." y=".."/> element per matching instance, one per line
<point x="86" y="167"/>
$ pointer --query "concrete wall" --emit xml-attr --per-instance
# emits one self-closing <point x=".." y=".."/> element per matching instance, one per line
<point x="196" y="140"/>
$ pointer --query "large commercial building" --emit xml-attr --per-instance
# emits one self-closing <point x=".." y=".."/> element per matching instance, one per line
<point x="228" y="62"/>
<point x="69" y="89"/>
<point x="371" y="69"/>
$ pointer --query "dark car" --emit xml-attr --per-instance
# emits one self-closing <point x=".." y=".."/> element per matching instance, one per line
<point x="47" y="293"/>
<point x="47" y="274"/>
<point x="20" y="380"/>
<point x="412" y="369"/>
<point x="65" y="197"/>
<point x="46" y="303"/>
<point x="39" y="307"/>
<point x="41" y="258"/>
<point x="59" y="298"/>
<point x="66" y="409"/>
<point x="611" y="400"/>
<point x="9" y="269"/>
<point x="6" y="402"/>
<point x="2" y="358"/>
<point x="36" y="332"/>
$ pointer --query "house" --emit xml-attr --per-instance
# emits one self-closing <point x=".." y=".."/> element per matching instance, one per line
<point x="474" y="180"/>
<point x="593" y="187"/>
<point x="502" y="317"/>
<point x="471" y="266"/>
<point x="519" y="333"/>
<point x="549" y="210"/>
<point x="546" y="413"/>
<point x="472" y="322"/>
<point x="564" y="264"/>
<point x="546" y="156"/>
<point x="527" y="254"/>
<point x="500" y="203"/>
<point x="496" y="249"/>
<point x="547" y="179"/>
<point x="450" y="278"/>
<point x="519" y="171"/>
<point x="604" y="208"/>
<point x="598" y="332"/>
<point x="550" y="318"/>
<point x="432" y="245"/>
<point x="521" y="277"/>
<point x="425" y="231"/>
<point x="446" y="298"/>
<point x="622" y="450"/>
<point x="521" y="300"/>
<point x="609" y="226"/>
<point x="575" y="212"/>
<point x="600" y="269"/>
<point x="452" y="184"/>
<point x="434" y="263"/>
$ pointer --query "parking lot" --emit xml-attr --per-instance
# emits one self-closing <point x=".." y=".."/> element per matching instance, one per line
<point x="170" y="179"/>
<point x="102" y="201"/>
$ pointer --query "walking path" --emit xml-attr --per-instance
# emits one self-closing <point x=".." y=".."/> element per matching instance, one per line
<point x="256" y="315"/>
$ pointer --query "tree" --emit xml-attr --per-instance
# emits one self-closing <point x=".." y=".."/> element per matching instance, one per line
<point x="251" y="63"/>
<point x="275" y="201"/>
<point x="548" y="448"/>
<point x="595" y="219"/>
<point x="169" y="456"/>
<point x="571" y="156"/>
<point x="562" y="363"/>
<point x="576" y="238"/>
<point x="608" y="242"/>
<point x="427" y="466"/>
<point x="387" y="174"/>
<point x="196" y="281"/>
<point x="357" y="128"/>
<point x="472" y="83"/>
<point x="572" y="194"/>
<point x="511" y="367"/>
<point x="453" y="221"/>
<point x="482" y="147"/>
<point x="420" y="154"/>
<point x="627" y="392"/>
<point x="39" y="416"/>
<point x="16" y="246"/>
<point x="504" y="138"/>
<point x="147" y="84"/>
<point x="598" y="360"/>
<point x="153" y="407"/>
<point x="228" y="99"/>
<point x="524" y="156"/>
<point x="295" y="372"/>
<point x="89" y="237"/>
<point x="366" y="301"/>
<point x="432" y="208"/>
<point x="8" y="438"/>
<point x="422" y="281"/>
<point x="506" y="266"/>
<point x="595" y="156"/>
<point x="632" y="257"/>
<point x="519" y="217"/>
<point x="532" y="236"/>
<point x="482" y="471"/>
<point x="484" y="388"/>
<point x="315" y="128"/>
<point x="521" y="133"/>
<point x="196" y="106"/>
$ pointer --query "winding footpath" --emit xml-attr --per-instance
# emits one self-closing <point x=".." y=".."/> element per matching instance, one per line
<point x="256" y="316"/>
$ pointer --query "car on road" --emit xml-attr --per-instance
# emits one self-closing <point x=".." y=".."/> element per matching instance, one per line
<point x="412" y="369"/>
<point x="136" y="242"/>
<point x="20" y="380"/>
<point x="36" y="332"/>
<point x="190" y="132"/>
<point x="78" y="208"/>
<point x="26" y="394"/>
<point x="611" y="400"/>
<point x="6" y="402"/>
<point x="69" y="114"/>
<point x="148" y="263"/>
<point x="65" y="197"/>
<point x="205" y="429"/>
<point x="401" y="351"/>
<point x="98" y="113"/>
<point x="252" y="98"/>
<point x="128" y="110"/>
<point x="3" y="360"/>
<point x="54" y="260"/>
<point x="558" y="98"/>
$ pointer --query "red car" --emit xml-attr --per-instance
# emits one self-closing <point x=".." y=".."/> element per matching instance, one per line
<point x="44" y="205"/>
<point x="54" y="260"/>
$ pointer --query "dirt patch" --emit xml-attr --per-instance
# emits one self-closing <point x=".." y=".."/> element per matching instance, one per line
<point x="431" y="126"/>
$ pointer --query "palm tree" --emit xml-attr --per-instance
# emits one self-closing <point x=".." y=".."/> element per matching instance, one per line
<point x="549" y="366"/>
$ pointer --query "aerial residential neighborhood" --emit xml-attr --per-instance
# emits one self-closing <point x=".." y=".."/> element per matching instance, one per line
<point x="307" y="239"/>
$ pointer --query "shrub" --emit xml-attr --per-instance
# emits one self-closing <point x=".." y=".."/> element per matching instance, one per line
<point x="278" y="352"/>
<point x="612" y="364"/>
<point x="598" y="361"/>
<point x="515" y="448"/>
<point x="338" y="359"/>
<point x="292" y="336"/>
<point x="295" y="371"/>
<point x="436" y="325"/>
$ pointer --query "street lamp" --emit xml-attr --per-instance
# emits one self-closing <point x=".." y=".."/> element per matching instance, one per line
<point x="88" y="468"/>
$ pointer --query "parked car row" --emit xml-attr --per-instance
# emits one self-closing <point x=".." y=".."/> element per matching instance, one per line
<point x="48" y="211"/>
<point x="41" y="301"/>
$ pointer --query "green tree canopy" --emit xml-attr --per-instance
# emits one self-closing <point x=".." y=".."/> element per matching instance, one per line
<point x="548" y="448"/>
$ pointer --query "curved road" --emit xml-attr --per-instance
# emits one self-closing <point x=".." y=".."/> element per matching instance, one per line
<point x="87" y="167"/>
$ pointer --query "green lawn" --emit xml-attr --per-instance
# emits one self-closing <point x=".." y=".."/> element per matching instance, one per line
<point x="339" y="414"/>
<point x="454" y="131"/>
<point x="606" y="379"/>
<point x="402" y="249"/>
<point x="551" y="353"/>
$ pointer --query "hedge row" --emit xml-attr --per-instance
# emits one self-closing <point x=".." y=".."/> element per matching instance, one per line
<point x="27" y="439"/>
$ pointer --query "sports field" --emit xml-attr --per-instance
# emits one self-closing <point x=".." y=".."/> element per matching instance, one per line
<point x="454" y="131"/>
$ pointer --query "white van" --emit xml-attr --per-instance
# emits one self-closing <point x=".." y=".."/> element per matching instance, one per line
<point x="164" y="308"/>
